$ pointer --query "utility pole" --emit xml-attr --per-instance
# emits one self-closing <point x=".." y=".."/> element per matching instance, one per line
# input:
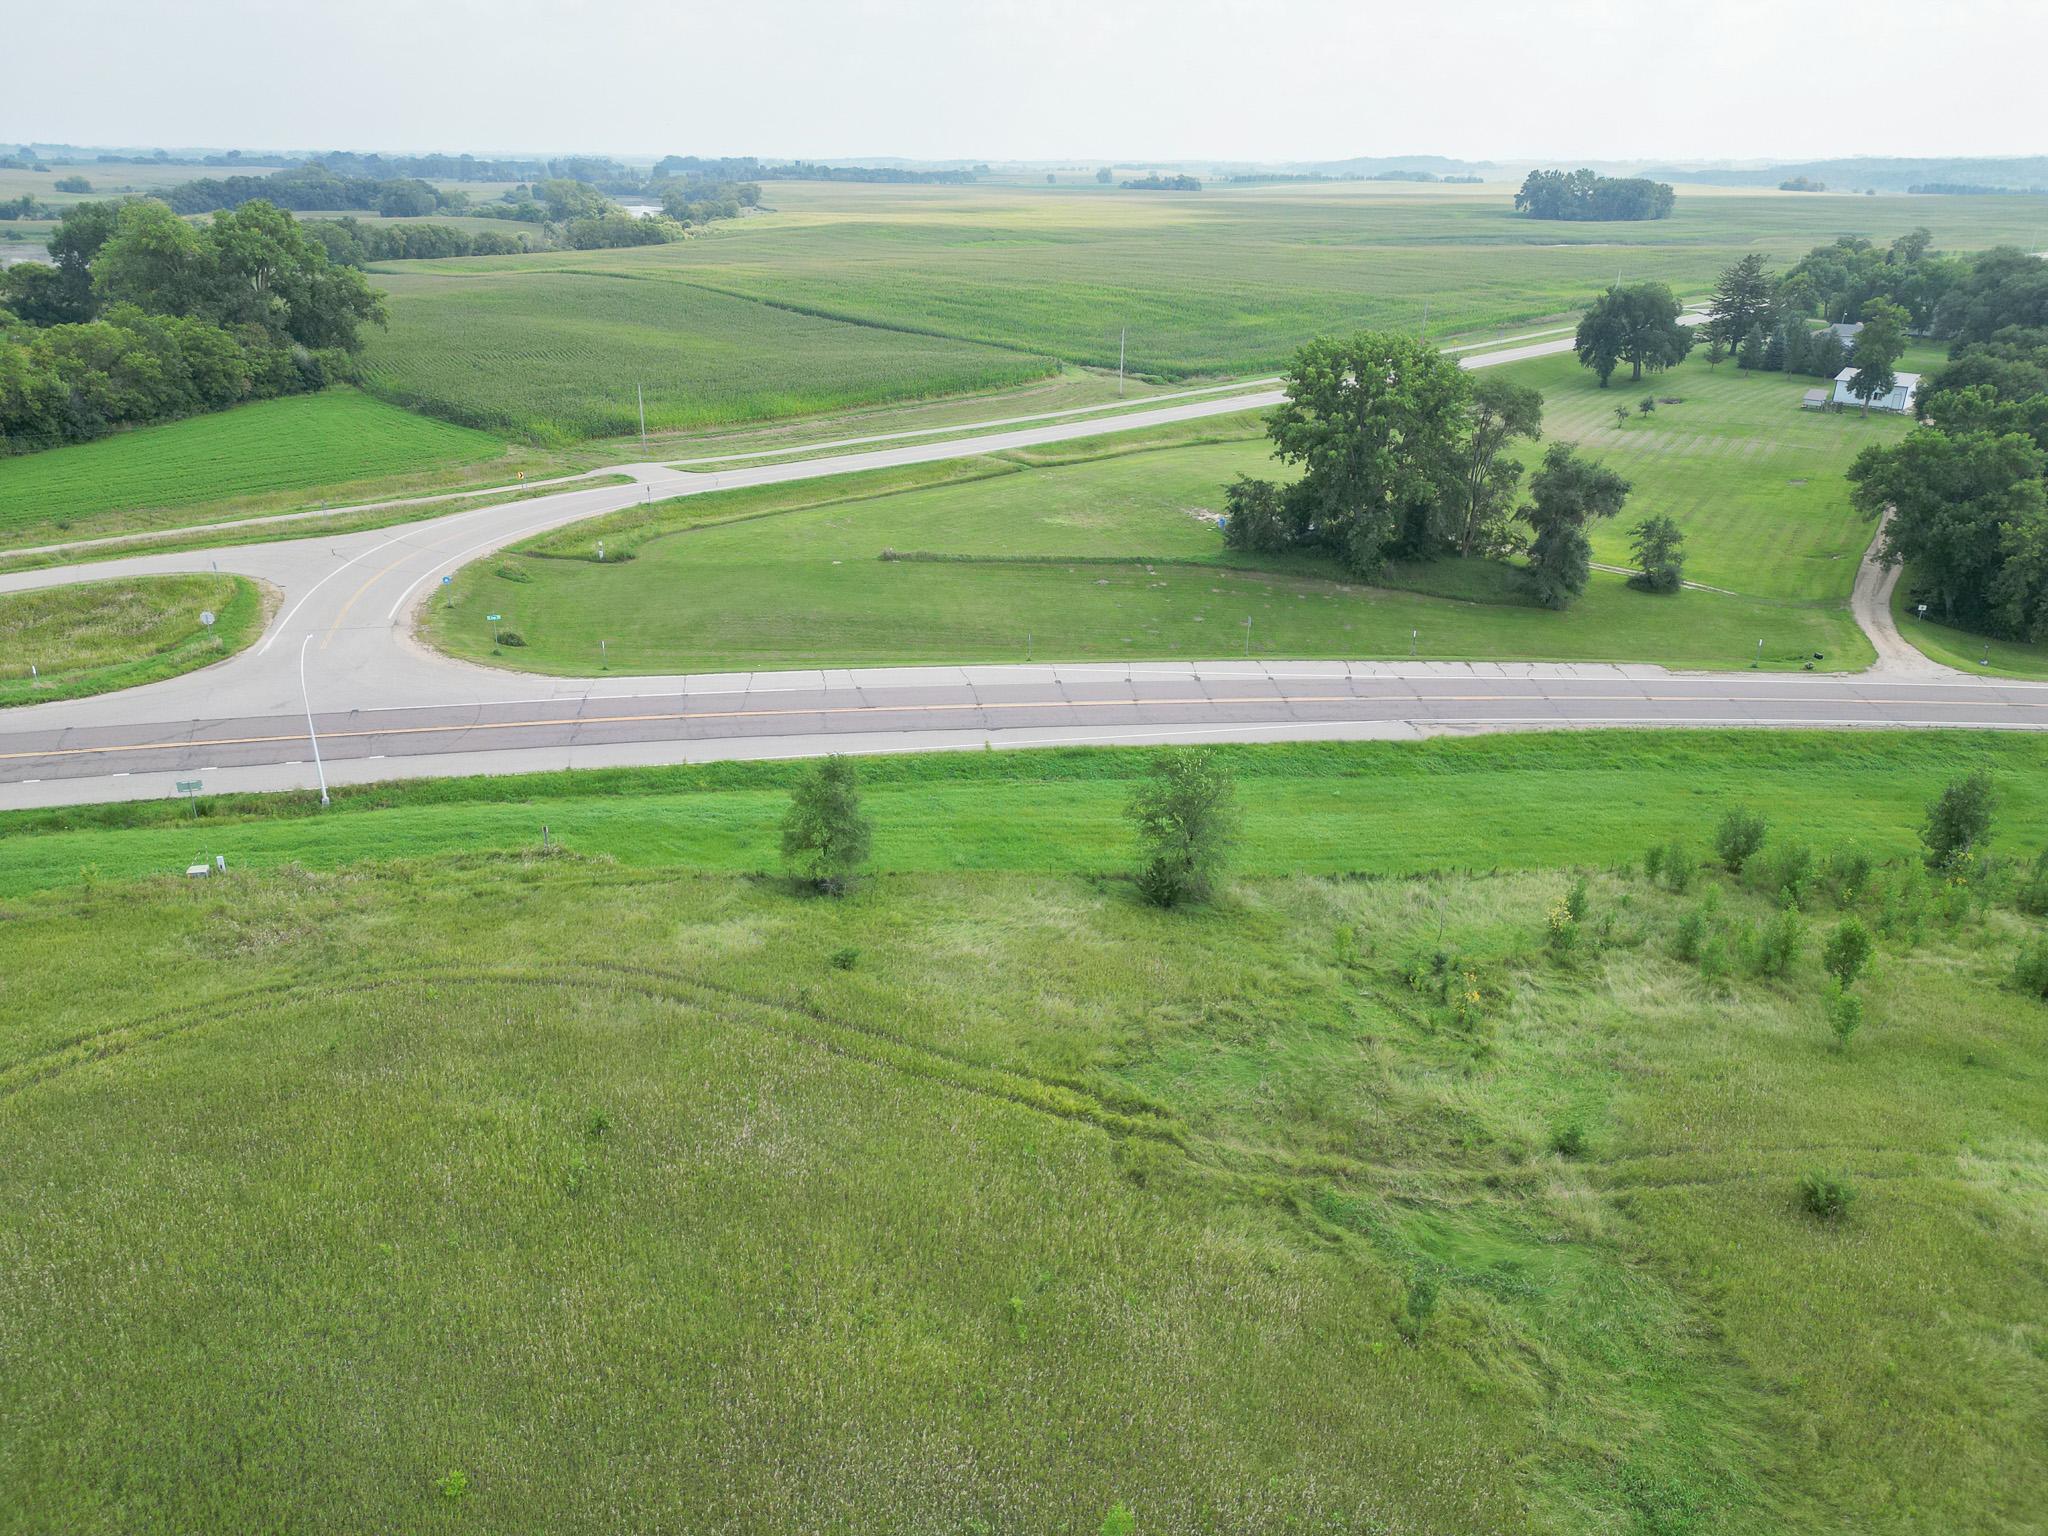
<point x="641" y="395"/>
<point x="1120" y="361"/>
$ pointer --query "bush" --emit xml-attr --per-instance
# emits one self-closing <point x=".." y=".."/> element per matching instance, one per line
<point x="825" y="838"/>
<point x="1958" y="822"/>
<point x="1653" y="862"/>
<point x="1691" y="936"/>
<point x="1845" y="1013"/>
<point x="1679" y="866"/>
<point x="2033" y="892"/>
<point x="1560" y="929"/>
<point x="1575" y="900"/>
<point x="1785" y="872"/>
<point x="2031" y="970"/>
<point x="1848" y="870"/>
<point x="1847" y="951"/>
<point x="1777" y="943"/>
<point x="1826" y="1195"/>
<point x="510" y="637"/>
<point x="1738" y="837"/>
<point x="844" y="959"/>
<point x="1186" y="816"/>
<point x="1568" y="1139"/>
<point x="1715" y="965"/>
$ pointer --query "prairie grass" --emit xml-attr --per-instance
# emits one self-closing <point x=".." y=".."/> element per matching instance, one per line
<point x="95" y="637"/>
<point x="1242" y="1218"/>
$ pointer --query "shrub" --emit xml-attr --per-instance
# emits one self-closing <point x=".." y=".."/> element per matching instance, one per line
<point x="1847" y="951"/>
<point x="1186" y="816"/>
<point x="1653" y="862"/>
<point x="2033" y="892"/>
<point x="1715" y="965"/>
<point x="1777" y="943"/>
<point x="1785" y="872"/>
<point x="1958" y="821"/>
<point x="1679" y="866"/>
<point x="825" y="838"/>
<point x="510" y="637"/>
<point x="844" y="959"/>
<point x="1561" y="932"/>
<point x="1691" y="936"/>
<point x="1845" y="1013"/>
<point x="1575" y="900"/>
<point x="454" y="1486"/>
<point x="1826" y="1195"/>
<point x="2031" y="970"/>
<point x="1737" y="838"/>
<point x="1119" y="1522"/>
<point x="1848" y="870"/>
<point x="1568" y="1139"/>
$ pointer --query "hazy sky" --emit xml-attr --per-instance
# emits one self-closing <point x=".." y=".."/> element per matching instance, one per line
<point x="1039" y="79"/>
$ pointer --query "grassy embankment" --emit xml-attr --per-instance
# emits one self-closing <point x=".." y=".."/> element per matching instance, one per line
<point x="1108" y="548"/>
<point x="914" y="290"/>
<point x="1345" y="1203"/>
<point x="96" y="637"/>
<point x="332" y="448"/>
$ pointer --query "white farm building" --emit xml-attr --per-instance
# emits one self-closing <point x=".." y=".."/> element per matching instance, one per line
<point x="1900" y="399"/>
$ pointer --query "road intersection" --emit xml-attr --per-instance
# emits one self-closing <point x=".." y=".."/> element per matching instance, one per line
<point x="340" y="657"/>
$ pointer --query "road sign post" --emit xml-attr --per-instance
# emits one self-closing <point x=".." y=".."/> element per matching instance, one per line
<point x="190" y="789"/>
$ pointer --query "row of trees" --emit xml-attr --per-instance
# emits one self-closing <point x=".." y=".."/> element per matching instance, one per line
<point x="1403" y="454"/>
<point x="1584" y="195"/>
<point x="142" y="316"/>
<point x="351" y="243"/>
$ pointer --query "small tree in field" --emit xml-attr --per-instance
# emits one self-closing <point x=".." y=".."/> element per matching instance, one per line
<point x="1958" y="821"/>
<point x="1660" y="554"/>
<point x="1739" y="835"/>
<point x="1186" y="816"/>
<point x="825" y="837"/>
<point x="1847" y="951"/>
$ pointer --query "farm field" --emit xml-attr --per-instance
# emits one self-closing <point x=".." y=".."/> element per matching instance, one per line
<point x="1220" y="282"/>
<point x="687" y="1221"/>
<point x="1098" y="549"/>
<point x="336" y="446"/>
<point x="95" y="637"/>
<point x="557" y="358"/>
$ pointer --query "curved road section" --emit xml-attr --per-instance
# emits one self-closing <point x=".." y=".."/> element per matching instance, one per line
<point x="338" y="687"/>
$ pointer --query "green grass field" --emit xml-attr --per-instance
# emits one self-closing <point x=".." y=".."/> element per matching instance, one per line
<point x="1258" y="1204"/>
<point x="1757" y="483"/>
<point x="558" y="357"/>
<point x="1958" y="647"/>
<point x="95" y="637"/>
<point x="1224" y="282"/>
<point x="272" y="455"/>
<point x="1093" y="549"/>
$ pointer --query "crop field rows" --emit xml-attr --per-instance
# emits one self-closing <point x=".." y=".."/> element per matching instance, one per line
<point x="1199" y="285"/>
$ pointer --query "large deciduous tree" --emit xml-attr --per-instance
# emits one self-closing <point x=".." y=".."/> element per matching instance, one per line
<point x="1637" y="325"/>
<point x="1375" y="424"/>
<point x="1878" y="348"/>
<point x="1500" y="411"/>
<point x="1567" y="493"/>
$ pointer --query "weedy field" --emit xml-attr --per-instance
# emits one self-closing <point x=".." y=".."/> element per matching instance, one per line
<point x="505" y="1189"/>
<point x="272" y="455"/>
<point x="95" y="637"/>
<point x="1110" y="548"/>
<point x="1218" y="282"/>
<point x="561" y="356"/>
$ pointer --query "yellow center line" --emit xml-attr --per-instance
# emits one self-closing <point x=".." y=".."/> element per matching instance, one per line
<point x="969" y="706"/>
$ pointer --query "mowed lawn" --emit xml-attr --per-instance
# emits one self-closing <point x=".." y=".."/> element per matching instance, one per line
<point x="1341" y="1204"/>
<point x="270" y="451"/>
<point x="1757" y="484"/>
<point x="1055" y="557"/>
<point x="568" y="356"/>
<point x="97" y="636"/>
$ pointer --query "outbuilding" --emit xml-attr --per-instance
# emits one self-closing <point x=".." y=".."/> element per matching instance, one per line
<point x="1900" y="399"/>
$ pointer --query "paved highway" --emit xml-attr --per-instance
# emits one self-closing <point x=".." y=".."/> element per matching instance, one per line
<point x="338" y="667"/>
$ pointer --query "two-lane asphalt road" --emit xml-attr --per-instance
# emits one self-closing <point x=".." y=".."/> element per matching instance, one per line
<point x="338" y="685"/>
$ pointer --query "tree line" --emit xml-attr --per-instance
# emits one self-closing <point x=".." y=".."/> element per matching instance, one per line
<point x="351" y="243"/>
<point x="1586" y="195"/>
<point x="1967" y="490"/>
<point x="141" y="316"/>
<point x="1406" y="456"/>
<point x="1161" y="184"/>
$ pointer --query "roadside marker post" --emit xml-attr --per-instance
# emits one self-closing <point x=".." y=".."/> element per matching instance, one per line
<point x="206" y="617"/>
<point x="190" y="789"/>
